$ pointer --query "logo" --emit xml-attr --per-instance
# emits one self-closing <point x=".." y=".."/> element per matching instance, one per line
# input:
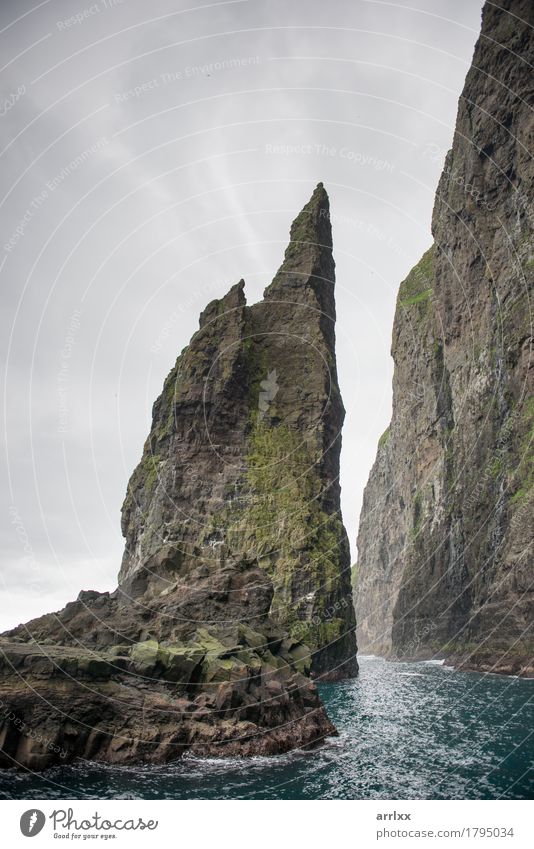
<point x="269" y="391"/>
<point x="32" y="822"/>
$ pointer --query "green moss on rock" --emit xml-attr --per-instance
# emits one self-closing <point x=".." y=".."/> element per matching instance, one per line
<point x="384" y="438"/>
<point x="417" y="288"/>
<point x="146" y="655"/>
<point x="278" y="519"/>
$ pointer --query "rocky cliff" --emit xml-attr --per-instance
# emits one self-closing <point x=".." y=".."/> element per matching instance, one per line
<point x="242" y="462"/>
<point x="445" y="562"/>
<point x="235" y="581"/>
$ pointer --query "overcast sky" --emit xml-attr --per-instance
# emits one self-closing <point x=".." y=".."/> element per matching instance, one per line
<point x="152" y="157"/>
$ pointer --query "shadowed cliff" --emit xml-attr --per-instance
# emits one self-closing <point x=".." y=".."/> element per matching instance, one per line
<point x="445" y="560"/>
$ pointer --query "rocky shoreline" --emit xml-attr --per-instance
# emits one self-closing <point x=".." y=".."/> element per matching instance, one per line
<point x="140" y="705"/>
<point x="492" y="663"/>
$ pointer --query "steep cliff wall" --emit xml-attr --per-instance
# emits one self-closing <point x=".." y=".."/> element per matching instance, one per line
<point x="445" y="559"/>
<point x="235" y="581"/>
<point x="242" y="461"/>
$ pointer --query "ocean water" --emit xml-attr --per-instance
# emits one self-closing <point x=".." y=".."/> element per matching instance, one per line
<point x="406" y="731"/>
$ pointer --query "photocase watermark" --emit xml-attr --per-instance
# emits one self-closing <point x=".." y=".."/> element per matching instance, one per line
<point x="301" y="629"/>
<point x="63" y="378"/>
<point x="27" y="731"/>
<point x="33" y="207"/>
<point x="75" y="163"/>
<point x="88" y="12"/>
<point x="524" y="204"/>
<point x="497" y="460"/>
<point x="13" y="97"/>
<point x="65" y="819"/>
<point x="51" y="185"/>
<point x="32" y="822"/>
<point x="269" y="391"/>
<point x="356" y="157"/>
<point x="31" y="567"/>
<point x="183" y="307"/>
<point x="523" y="513"/>
<point x="419" y="640"/>
<point x="366" y="227"/>
<point x="436" y="153"/>
<point x="181" y="74"/>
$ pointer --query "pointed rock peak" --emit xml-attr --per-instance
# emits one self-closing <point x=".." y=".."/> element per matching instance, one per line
<point x="233" y="299"/>
<point x="308" y="257"/>
<point x="312" y="224"/>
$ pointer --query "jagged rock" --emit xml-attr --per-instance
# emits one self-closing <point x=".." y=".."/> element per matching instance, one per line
<point x="445" y="560"/>
<point x="235" y="578"/>
<point x="181" y="663"/>
<point x="242" y="463"/>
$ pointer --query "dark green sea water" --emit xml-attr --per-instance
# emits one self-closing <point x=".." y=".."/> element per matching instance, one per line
<point x="407" y="731"/>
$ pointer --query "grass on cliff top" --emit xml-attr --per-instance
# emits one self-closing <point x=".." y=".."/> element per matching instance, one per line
<point x="384" y="438"/>
<point x="417" y="287"/>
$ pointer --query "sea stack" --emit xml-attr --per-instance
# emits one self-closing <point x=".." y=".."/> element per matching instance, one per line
<point x="234" y="589"/>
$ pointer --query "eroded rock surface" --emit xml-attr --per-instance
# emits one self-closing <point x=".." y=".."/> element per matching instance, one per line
<point x="235" y="582"/>
<point x="445" y="563"/>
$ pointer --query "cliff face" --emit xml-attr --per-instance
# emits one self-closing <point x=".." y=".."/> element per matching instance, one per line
<point x="235" y="582"/>
<point x="445" y="560"/>
<point x="242" y="462"/>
